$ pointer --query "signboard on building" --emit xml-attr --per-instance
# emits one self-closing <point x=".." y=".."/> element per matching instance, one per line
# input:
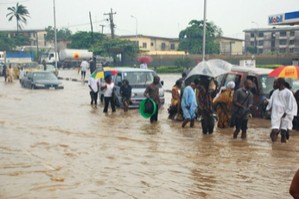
<point x="289" y="18"/>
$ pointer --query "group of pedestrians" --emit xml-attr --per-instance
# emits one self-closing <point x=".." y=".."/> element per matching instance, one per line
<point x="8" y="73"/>
<point x="106" y="92"/>
<point x="232" y="108"/>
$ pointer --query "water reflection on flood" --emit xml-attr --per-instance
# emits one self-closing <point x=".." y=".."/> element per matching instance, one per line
<point x="54" y="145"/>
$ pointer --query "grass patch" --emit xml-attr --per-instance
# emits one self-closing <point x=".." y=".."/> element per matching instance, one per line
<point x="168" y="69"/>
<point x="271" y="66"/>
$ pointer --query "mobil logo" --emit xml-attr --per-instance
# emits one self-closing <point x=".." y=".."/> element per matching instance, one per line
<point x="275" y="19"/>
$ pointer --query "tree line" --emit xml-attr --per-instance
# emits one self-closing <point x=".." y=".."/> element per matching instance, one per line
<point x="190" y="38"/>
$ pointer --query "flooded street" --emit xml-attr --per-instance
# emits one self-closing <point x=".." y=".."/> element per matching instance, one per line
<point x="55" y="145"/>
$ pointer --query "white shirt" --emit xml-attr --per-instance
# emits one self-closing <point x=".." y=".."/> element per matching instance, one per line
<point x="143" y="66"/>
<point x="108" y="90"/>
<point x="84" y="65"/>
<point x="282" y="101"/>
<point x="93" y="83"/>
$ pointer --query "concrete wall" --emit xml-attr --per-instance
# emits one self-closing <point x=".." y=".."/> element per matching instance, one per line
<point x="169" y="60"/>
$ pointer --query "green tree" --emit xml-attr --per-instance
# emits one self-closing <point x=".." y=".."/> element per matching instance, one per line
<point x="21" y="40"/>
<point x="6" y="43"/>
<point x="184" y="62"/>
<point x="251" y="49"/>
<point x="19" y="12"/>
<point x="112" y="47"/>
<point x="62" y="34"/>
<point x="191" y="38"/>
<point x="85" y="40"/>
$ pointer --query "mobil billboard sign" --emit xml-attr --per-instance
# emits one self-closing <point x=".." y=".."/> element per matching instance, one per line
<point x="289" y="18"/>
<point x="276" y="19"/>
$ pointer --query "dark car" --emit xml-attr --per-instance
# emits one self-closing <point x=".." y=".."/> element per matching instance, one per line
<point x="41" y="80"/>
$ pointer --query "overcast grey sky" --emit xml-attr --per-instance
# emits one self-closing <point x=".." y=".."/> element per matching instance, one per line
<point x="163" y="18"/>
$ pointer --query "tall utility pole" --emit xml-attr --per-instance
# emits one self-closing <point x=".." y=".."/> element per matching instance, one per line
<point x="91" y="27"/>
<point x="112" y="25"/>
<point x="136" y="33"/>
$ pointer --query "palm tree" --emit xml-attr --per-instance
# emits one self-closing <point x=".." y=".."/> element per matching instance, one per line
<point x="19" y="12"/>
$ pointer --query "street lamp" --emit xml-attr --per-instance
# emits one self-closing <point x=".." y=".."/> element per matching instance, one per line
<point x="55" y="34"/>
<point x="204" y="31"/>
<point x="136" y="34"/>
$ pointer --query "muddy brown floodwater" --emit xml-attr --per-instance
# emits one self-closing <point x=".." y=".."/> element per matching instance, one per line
<point x="54" y="145"/>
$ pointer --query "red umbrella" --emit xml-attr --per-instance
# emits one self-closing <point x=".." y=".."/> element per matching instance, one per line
<point x="145" y="59"/>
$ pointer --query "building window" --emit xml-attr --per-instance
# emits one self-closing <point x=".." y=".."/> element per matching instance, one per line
<point x="261" y="34"/>
<point x="252" y="35"/>
<point x="282" y="50"/>
<point x="292" y="42"/>
<point x="283" y="33"/>
<point x="261" y="43"/>
<point x="252" y="43"/>
<point x="292" y="33"/>
<point x="163" y="46"/>
<point x="260" y="51"/>
<point x="144" y="45"/>
<point x="283" y="42"/>
<point x="152" y="43"/>
<point x="291" y="50"/>
<point x="172" y="46"/>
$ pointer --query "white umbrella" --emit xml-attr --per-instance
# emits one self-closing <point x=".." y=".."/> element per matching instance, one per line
<point x="210" y="68"/>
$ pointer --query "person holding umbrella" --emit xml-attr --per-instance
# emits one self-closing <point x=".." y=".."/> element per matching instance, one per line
<point x="93" y="85"/>
<point x="205" y="105"/>
<point x="283" y="107"/>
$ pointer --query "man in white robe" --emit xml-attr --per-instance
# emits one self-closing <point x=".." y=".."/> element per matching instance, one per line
<point x="284" y="108"/>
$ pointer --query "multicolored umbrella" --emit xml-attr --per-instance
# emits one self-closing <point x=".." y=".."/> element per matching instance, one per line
<point x="103" y="72"/>
<point x="285" y="72"/>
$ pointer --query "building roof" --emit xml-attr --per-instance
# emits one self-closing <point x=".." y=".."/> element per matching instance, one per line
<point x="273" y="29"/>
<point x="20" y="31"/>
<point x="230" y="38"/>
<point x="147" y="36"/>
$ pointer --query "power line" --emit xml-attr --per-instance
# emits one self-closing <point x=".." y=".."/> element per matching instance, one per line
<point x="83" y="24"/>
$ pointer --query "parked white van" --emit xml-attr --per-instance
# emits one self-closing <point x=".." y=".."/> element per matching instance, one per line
<point x="139" y="79"/>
